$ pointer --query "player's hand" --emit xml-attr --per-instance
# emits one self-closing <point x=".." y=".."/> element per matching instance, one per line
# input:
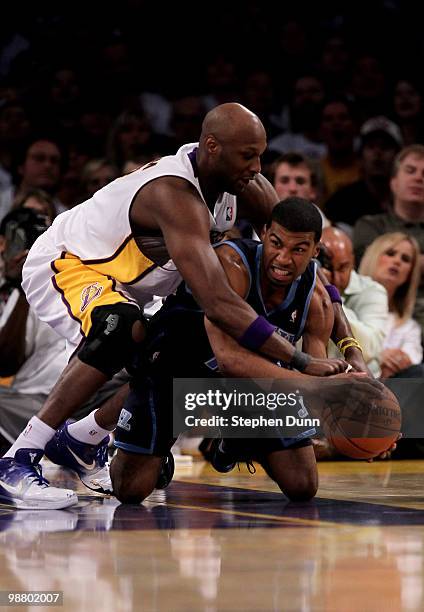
<point x="350" y="388"/>
<point x="355" y="358"/>
<point x="325" y="367"/>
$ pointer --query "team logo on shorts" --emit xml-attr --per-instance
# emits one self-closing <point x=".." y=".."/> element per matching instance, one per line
<point x="90" y="293"/>
<point x="124" y="419"/>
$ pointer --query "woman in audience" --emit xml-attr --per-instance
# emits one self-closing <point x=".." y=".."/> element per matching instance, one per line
<point x="393" y="260"/>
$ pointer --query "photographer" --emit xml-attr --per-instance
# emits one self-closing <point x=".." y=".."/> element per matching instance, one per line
<point x="32" y="355"/>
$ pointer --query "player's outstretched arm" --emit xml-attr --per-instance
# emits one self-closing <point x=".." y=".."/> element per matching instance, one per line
<point x="319" y="323"/>
<point x="175" y="207"/>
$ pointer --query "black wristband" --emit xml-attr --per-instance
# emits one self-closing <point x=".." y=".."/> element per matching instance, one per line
<point x="300" y="361"/>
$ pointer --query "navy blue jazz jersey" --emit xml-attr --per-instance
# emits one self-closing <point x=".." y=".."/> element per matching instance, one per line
<point x="290" y="316"/>
<point x="178" y="347"/>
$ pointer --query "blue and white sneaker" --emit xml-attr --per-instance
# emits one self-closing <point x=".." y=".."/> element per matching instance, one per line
<point x="22" y="484"/>
<point x="89" y="462"/>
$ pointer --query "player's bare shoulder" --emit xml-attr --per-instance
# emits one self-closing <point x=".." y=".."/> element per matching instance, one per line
<point x="166" y="198"/>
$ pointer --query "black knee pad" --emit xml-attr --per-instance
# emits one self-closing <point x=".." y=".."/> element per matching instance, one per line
<point x="109" y="346"/>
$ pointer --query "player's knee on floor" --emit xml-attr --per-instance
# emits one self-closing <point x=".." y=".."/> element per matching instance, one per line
<point x="294" y="471"/>
<point x="302" y="487"/>
<point x="134" y="476"/>
<point x="115" y="335"/>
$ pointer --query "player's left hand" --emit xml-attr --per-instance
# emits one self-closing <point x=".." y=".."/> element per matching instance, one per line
<point x="355" y="358"/>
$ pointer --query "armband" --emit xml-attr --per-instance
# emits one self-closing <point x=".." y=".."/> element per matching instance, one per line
<point x="256" y="334"/>
<point x="334" y="294"/>
<point x="300" y="361"/>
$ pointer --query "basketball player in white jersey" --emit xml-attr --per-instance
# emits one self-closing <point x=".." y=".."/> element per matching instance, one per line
<point x="89" y="274"/>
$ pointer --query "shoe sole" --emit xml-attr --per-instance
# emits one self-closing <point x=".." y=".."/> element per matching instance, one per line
<point x="22" y="504"/>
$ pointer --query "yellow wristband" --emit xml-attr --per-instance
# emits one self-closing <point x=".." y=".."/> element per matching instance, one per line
<point x="347" y="339"/>
<point x="355" y="344"/>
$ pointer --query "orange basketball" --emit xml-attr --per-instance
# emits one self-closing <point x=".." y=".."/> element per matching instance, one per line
<point x="365" y="430"/>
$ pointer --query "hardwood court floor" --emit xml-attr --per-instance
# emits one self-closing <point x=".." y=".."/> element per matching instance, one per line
<point x="231" y="542"/>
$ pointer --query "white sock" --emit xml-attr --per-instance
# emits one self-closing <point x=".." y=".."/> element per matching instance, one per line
<point x="36" y="435"/>
<point x="88" y="431"/>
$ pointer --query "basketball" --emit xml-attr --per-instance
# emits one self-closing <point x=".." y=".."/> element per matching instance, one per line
<point x="364" y="430"/>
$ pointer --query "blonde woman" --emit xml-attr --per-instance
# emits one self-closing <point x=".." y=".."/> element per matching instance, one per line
<point x="393" y="261"/>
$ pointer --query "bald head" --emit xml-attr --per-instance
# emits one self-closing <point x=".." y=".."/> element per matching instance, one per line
<point x="336" y="240"/>
<point x="232" y="121"/>
<point x="230" y="148"/>
<point x="340" y="251"/>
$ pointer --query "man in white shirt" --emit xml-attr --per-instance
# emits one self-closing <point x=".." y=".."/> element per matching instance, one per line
<point x="364" y="300"/>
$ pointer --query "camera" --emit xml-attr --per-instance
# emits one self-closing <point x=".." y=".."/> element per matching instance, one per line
<point x="21" y="228"/>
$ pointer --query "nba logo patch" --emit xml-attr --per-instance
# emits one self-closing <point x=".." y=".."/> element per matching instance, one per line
<point x="90" y="293"/>
<point x="293" y="316"/>
<point x="229" y="213"/>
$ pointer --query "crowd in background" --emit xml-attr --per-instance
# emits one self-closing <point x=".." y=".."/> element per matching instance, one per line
<point x="84" y="100"/>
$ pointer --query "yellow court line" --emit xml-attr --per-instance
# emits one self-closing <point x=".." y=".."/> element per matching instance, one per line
<point x="280" y="519"/>
<point x="328" y="495"/>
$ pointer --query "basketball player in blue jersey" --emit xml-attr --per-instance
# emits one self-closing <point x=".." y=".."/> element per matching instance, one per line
<point x="92" y="271"/>
<point x="279" y="280"/>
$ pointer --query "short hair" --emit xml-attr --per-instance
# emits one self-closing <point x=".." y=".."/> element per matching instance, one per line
<point x="294" y="159"/>
<point x="405" y="295"/>
<point x="297" y="215"/>
<point x="413" y="149"/>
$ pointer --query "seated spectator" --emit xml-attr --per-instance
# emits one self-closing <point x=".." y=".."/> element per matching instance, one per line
<point x="393" y="260"/>
<point x="365" y="306"/>
<point x="305" y="112"/>
<point x="96" y="174"/>
<point x="407" y="215"/>
<point x="131" y="136"/>
<point x="39" y="201"/>
<point x="40" y="167"/>
<point x="408" y="109"/>
<point x="32" y="355"/>
<point x="370" y="195"/>
<point x="340" y="166"/>
<point x="293" y="174"/>
<point x="364" y="300"/>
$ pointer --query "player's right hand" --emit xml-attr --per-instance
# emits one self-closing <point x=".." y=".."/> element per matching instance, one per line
<point x="325" y="367"/>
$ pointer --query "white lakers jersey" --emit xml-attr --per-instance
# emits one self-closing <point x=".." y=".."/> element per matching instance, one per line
<point x="98" y="231"/>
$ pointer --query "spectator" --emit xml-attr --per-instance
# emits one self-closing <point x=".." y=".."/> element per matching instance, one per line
<point x="96" y="174"/>
<point x="407" y="215"/>
<point x="393" y="260"/>
<point x="129" y="137"/>
<point x="39" y="201"/>
<point x="408" y="110"/>
<point x="340" y="166"/>
<point x="304" y="128"/>
<point x="364" y="300"/>
<point x="32" y="355"/>
<point x="294" y="175"/>
<point x="380" y="141"/>
<point x="40" y="168"/>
